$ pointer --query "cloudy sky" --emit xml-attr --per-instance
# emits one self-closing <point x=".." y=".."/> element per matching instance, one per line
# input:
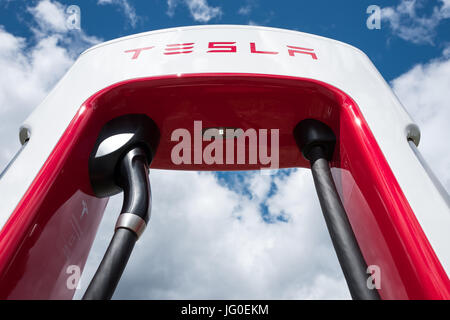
<point x="231" y="235"/>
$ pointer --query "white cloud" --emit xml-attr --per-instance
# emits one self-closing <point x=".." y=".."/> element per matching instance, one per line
<point x="31" y="67"/>
<point x="446" y="52"/>
<point x="49" y="16"/>
<point x="245" y="10"/>
<point x="408" y="25"/>
<point x="49" y="20"/>
<point x="199" y="9"/>
<point x="171" y="5"/>
<point x="207" y="241"/>
<point x="26" y="79"/>
<point x="424" y="91"/>
<point x="126" y="7"/>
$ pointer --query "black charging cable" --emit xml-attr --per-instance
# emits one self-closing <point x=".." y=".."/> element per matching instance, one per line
<point x="132" y="177"/>
<point x="317" y="141"/>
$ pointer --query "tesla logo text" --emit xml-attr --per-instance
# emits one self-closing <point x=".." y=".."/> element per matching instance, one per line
<point x="221" y="47"/>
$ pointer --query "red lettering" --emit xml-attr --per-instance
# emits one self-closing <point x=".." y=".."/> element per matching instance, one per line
<point x="137" y="52"/>
<point x="222" y="46"/>
<point x="253" y="49"/>
<point x="293" y="50"/>
<point x="177" y="48"/>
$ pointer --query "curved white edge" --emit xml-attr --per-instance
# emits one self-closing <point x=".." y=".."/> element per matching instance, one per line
<point x="337" y="64"/>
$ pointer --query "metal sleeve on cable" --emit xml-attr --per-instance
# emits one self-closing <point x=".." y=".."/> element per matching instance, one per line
<point x="348" y="252"/>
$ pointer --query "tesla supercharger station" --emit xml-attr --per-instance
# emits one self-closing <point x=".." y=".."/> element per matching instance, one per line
<point x="121" y="102"/>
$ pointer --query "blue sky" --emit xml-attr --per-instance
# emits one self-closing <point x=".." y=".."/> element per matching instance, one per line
<point x="340" y="20"/>
<point x="252" y="236"/>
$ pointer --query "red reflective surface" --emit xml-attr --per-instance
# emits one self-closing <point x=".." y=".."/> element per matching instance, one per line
<point x="53" y="226"/>
<point x="48" y="232"/>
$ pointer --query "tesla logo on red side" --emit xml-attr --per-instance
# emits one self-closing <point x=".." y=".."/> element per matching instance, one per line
<point x="224" y="47"/>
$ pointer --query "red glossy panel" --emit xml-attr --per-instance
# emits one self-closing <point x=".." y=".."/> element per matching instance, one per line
<point x="385" y="226"/>
<point x="53" y="226"/>
<point x="228" y="101"/>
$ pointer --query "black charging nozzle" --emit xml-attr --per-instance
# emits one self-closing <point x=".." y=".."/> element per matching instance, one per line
<point x="317" y="142"/>
<point x="120" y="162"/>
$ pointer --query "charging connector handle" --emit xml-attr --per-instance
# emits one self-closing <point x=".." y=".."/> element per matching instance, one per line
<point x="135" y="214"/>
